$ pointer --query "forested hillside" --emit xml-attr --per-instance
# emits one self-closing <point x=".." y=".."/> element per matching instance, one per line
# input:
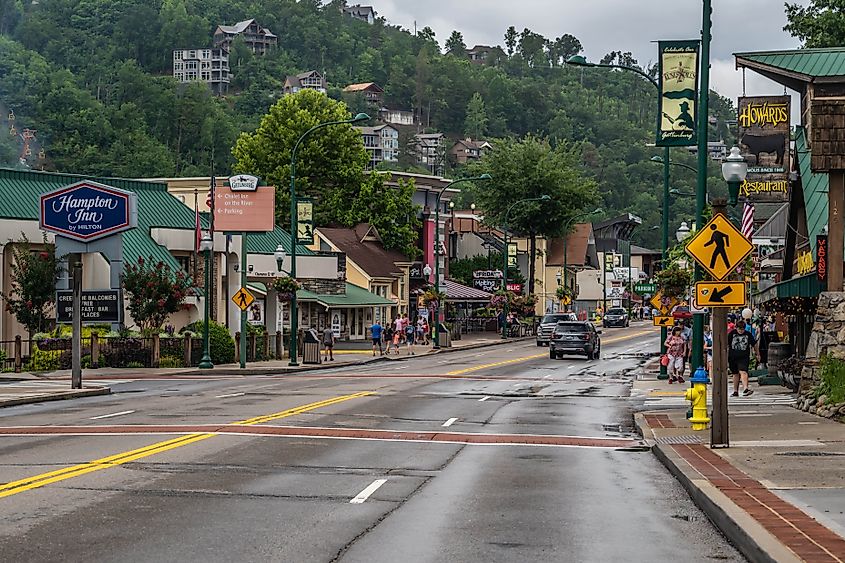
<point x="93" y="78"/>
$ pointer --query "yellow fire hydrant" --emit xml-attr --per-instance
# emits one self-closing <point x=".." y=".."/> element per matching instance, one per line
<point x="697" y="395"/>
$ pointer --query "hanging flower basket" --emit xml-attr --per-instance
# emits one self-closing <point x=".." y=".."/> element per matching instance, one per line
<point x="286" y="288"/>
<point x="499" y="299"/>
<point x="563" y="293"/>
<point x="432" y="298"/>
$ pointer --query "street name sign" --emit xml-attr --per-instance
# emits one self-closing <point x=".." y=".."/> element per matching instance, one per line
<point x="98" y="306"/>
<point x="664" y="321"/>
<point x="87" y="211"/>
<point x="243" y="298"/>
<point x="719" y="247"/>
<point x="720" y="294"/>
<point x="645" y="288"/>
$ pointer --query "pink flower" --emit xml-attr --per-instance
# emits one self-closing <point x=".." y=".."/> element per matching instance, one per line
<point x="161" y="302"/>
<point x="44" y="255"/>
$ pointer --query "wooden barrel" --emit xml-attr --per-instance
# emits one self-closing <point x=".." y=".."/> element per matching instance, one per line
<point x="779" y="351"/>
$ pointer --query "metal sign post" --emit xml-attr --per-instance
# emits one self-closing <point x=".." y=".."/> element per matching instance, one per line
<point x="76" y="338"/>
<point x="243" y="310"/>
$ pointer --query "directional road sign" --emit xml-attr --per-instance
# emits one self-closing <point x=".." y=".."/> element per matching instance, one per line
<point x="719" y="247"/>
<point x="664" y="321"/>
<point x="720" y="294"/>
<point x="645" y="288"/>
<point x="243" y="298"/>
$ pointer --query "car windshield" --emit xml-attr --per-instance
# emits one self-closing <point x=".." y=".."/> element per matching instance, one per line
<point x="616" y="311"/>
<point x="571" y="327"/>
<point x="551" y="319"/>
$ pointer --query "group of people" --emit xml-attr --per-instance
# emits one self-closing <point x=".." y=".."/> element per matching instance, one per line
<point x="742" y="340"/>
<point x="398" y="333"/>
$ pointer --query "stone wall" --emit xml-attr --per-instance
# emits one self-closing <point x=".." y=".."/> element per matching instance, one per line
<point x="828" y="336"/>
<point x="324" y="286"/>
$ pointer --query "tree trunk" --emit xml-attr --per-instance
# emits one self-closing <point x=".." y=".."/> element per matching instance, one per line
<point x="532" y="251"/>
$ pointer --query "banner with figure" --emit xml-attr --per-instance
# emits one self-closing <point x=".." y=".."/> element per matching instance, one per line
<point x="764" y="142"/>
<point x="678" y="86"/>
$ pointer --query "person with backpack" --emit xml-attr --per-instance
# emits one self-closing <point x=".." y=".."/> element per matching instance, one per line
<point x="410" y="332"/>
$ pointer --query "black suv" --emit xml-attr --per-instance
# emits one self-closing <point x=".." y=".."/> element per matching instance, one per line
<point x="616" y="316"/>
<point x="547" y="325"/>
<point x="571" y="337"/>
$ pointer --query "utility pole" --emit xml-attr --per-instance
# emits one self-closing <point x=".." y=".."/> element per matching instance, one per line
<point x="719" y="434"/>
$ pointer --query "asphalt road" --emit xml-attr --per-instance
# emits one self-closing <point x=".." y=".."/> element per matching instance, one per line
<point x="495" y="454"/>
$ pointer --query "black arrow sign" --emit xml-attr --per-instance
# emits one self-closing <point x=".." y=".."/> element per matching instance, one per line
<point x="718" y="295"/>
<point x="666" y="321"/>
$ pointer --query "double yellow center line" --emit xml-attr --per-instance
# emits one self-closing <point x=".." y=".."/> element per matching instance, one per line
<point x="43" y="479"/>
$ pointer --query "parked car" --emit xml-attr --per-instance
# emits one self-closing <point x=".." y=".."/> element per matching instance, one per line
<point x="616" y="316"/>
<point x="548" y="323"/>
<point x="575" y="337"/>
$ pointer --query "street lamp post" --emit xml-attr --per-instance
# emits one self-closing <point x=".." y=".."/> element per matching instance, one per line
<point x="595" y="211"/>
<point x="206" y="245"/>
<point x="543" y="197"/>
<point x="578" y="60"/>
<point x="294" y="321"/>
<point x="482" y="177"/>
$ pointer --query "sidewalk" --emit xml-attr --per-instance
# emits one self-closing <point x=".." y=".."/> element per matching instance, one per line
<point x="778" y="493"/>
<point x="24" y="388"/>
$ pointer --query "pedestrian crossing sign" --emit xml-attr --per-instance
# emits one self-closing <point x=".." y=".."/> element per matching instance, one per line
<point x="719" y="247"/>
<point x="663" y="304"/>
<point x="243" y="298"/>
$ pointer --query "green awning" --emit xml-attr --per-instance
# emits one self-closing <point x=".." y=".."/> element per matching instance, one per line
<point x="355" y="297"/>
<point x="257" y="287"/>
<point x="805" y="286"/>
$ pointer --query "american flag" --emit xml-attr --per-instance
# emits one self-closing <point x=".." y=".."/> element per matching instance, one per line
<point x="747" y="220"/>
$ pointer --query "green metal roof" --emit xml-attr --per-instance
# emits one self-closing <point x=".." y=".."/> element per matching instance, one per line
<point x="811" y="63"/>
<point x="355" y="297"/>
<point x="807" y="286"/>
<point x="266" y="243"/>
<point x="815" y="187"/>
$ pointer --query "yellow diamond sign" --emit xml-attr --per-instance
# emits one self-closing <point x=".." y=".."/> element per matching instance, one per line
<point x="243" y="298"/>
<point x="719" y="247"/>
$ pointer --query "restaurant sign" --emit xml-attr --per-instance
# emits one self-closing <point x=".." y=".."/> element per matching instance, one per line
<point x="764" y="143"/>
<point x="87" y="211"/>
<point x="678" y="86"/>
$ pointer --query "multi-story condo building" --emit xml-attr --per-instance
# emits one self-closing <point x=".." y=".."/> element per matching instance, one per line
<point x="372" y="92"/>
<point x="258" y="39"/>
<point x="382" y="144"/>
<point x="202" y="65"/>
<point x="312" y="80"/>
<point x="358" y="12"/>
<point x="430" y="150"/>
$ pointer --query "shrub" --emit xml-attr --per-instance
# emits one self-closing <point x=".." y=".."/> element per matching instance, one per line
<point x="40" y="360"/>
<point x="170" y="362"/>
<point x="832" y="375"/>
<point x="220" y="342"/>
<point x="155" y="292"/>
<point x="125" y="352"/>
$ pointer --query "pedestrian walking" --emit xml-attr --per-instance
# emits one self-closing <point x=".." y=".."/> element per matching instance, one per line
<point x="375" y="334"/>
<point x="708" y="348"/>
<point x="676" y="350"/>
<point x="328" y="343"/>
<point x="686" y="334"/>
<point x="409" y="338"/>
<point x="388" y="337"/>
<point x="740" y="343"/>
<point x="426" y="332"/>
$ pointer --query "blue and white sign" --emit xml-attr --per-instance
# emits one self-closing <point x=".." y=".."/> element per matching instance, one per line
<point x="88" y="211"/>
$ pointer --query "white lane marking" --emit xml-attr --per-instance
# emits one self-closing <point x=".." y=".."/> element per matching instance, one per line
<point x="510" y="350"/>
<point x="751" y="414"/>
<point x="547" y="376"/>
<point x="482" y="399"/>
<point x="450" y="422"/>
<point x="570" y="366"/>
<point x="111" y="415"/>
<point x="365" y="494"/>
<point x="808" y="422"/>
<point x="230" y="395"/>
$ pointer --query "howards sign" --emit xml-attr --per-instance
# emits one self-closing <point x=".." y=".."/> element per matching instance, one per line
<point x="87" y="211"/>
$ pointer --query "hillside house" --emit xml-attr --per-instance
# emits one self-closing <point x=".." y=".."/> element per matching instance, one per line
<point x="258" y="39"/>
<point x="311" y="80"/>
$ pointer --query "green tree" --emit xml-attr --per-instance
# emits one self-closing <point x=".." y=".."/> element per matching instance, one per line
<point x="511" y="37"/>
<point x="475" y="124"/>
<point x="33" y="286"/>
<point x="820" y="24"/>
<point x="329" y="160"/>
<point x="455" y="45"/>
<point x="530" y="168"/>
<point x="154" y="292"/>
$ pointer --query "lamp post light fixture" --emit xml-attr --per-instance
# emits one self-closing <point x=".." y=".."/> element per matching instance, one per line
<point x="294" y="321"/>
<point x="682" y="232"/>
<point x="595" y="211"/>
<point x="544" y="197"/>
<point x="734" y="170"/>
<point x="436" y="326"/>
<point x="206" y="246"/>
<point x="279" y="255"/>
<point x="578" y="60"/>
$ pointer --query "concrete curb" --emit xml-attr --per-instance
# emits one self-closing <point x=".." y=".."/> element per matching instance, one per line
<point x="477" y="346"/>
<point x="745" y="533"/>
<point x="58" y="396"/>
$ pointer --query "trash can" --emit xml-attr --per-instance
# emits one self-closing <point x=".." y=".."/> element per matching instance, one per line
<point x="311" y="347"/>
<point x="444" y="336"/>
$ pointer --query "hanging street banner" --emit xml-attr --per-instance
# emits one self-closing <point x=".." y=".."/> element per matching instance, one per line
<point x="719" y="247"/>
<point x="304" y="221"/>
<point x="87" y="211"/>
<point x="764" y="143"/>
<point x="678" y="86"/>
<point x="821" y="260"/>
<point x="98" y="306"/>
<point x="512" y="252"/>
<point x="720" y="294"/>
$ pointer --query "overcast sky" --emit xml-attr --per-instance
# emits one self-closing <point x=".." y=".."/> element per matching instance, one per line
<point x="613" y="25"/>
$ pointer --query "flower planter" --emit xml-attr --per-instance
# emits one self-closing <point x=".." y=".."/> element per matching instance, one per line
<point x="285" y="297"/>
